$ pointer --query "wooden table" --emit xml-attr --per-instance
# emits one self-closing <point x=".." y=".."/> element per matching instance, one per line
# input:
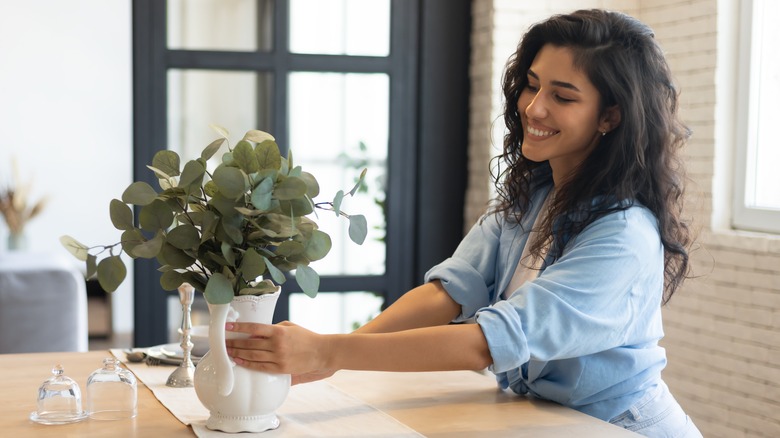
<point x="441" y="404"/>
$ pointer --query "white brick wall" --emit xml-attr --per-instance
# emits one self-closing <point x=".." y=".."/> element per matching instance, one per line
<point x="723" y="327"/>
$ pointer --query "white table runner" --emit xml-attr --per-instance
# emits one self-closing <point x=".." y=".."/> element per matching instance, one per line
<point x="315" y="409"/>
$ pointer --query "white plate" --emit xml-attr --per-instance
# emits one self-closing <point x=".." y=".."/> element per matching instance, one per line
<point x="169" y="354"/>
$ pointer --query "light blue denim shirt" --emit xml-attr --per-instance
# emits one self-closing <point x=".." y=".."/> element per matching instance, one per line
<point x="585" y="332"/>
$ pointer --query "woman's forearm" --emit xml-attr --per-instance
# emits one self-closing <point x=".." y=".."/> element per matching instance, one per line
<point x="424" y="306"/>
<point x="440" y="348"/>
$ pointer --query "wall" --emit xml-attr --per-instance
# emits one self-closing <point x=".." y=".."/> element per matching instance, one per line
<point x="723" y="327"/>
<point x="66" y="119"/>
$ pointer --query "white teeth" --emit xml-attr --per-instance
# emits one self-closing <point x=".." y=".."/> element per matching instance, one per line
<point x="539" y="132"/>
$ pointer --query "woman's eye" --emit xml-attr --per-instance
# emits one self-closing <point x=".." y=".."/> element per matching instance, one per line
<point x="533" y="88"/>
<point x="563" y="99"/>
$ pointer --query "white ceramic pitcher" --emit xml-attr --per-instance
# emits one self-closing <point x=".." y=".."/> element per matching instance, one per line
<point x="239" y="399"/>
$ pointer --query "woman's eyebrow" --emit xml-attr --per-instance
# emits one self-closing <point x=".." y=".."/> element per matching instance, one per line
<point x="561" y="84"/>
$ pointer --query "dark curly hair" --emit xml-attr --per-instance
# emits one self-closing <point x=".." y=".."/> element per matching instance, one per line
<point x="637" y="161"/>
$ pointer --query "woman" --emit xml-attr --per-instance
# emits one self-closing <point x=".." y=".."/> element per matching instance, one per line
<point x="565" y="276"/>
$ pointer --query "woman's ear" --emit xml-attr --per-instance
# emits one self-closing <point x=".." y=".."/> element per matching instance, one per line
<point x="610" y="119"/>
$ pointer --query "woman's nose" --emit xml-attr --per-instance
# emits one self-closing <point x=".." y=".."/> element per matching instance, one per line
<point x="536" y="108"/>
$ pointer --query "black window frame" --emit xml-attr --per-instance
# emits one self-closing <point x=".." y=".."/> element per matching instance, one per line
<point x="428" y="141"/>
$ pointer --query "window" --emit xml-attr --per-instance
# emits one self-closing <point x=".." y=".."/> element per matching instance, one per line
<point x="345" y="84"/>
<point x="757" y="190"/>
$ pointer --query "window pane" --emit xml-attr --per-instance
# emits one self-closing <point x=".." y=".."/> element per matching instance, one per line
<point x="340" y="27"/>
<point x="233" y="25"/>
<point x="767" y="154"/>
<point x="237" y="101"/>
<point x="334" y="312"/>
<point x="338" y="126"/>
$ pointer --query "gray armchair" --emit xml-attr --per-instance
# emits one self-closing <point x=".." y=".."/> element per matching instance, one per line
<point x="43" y="304"/>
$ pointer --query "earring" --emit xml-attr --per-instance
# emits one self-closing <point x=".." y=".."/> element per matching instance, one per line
<point x="604" y="132"/>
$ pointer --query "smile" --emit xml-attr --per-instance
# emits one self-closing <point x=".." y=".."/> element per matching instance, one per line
<point x="540" y="133"/>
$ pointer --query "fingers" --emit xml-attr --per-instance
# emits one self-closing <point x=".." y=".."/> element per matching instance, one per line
<point x="250" y="328"/>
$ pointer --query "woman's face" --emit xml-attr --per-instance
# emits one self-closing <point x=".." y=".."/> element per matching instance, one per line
<point x="559" y="111"/>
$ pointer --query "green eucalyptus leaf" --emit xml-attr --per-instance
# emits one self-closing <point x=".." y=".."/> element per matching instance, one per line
<point x="78" y="249"/>
<point x="296" y="207"/>
<point x="171" y="280"/>
<point x="185" y="236"/>
<point x="258" y="136"/>
<point x="148" y="249"/>
<point x="231" y="227"/>
<point x="248" y="211"/>
<point x="359" y="182"/>
<point x="252" y="265"/>
<point x="289" y="248"/>
<point x="268" y="155"/>
<point x="318" y="245"/>
<point x="227" y="252"/>
<point x="111" y="271"/>
<point x="212" y="148"/>
<point x="192" y="175"/>
<point x="245" y="157"/>
<point x="290" y="188"/>
<point x="296" y="172"/>
<point x="162" y="176"/>
<point x="210" y="188"/>
<point x="91" y="266"/>
<point x="358" y="229"/>
<point x="167" y="161"/>
<point x="337" y="202"/>
<point x="208" y="225"/>
<point x="226" y="207"/>
<point x="312" y="186"/>
<point x="218" y="289"/>
<point x="155" y="216"/>
<point x="276" y="274"/>
<point x="139" y="193"/>
<point x="281" y="225"/>
<point x="231" y="181"/>
<point x="262" y="195"/>
<point x="175" y="257"/>
<point x="130" y="239"/>
<point x="308" y="279"/>
<point x="220" y="130"/>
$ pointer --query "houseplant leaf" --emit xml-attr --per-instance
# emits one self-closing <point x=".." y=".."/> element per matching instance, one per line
<point x="231" y="181"/>
<point x="78" y="249"/>
<point x="121" y="215"/>
<point x="167" y="161"/>
<point x="111" y="271"/>
<point x="155" y="216"/>
<point x="308" y="279"/>
<point x="212" y="148"/>
<point x="268" y="155"/>
<point x="139" y="193"/>
<point x="358" y="228"/>
<point x="290" y="188"/>
<point x="244" y="156"/>
<point x="219" y="290"/>
<point x="185" y="236"/>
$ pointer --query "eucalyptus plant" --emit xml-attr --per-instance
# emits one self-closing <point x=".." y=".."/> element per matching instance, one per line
<point x="222" y="231"/>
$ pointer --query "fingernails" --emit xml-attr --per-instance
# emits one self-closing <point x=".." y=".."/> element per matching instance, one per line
<point x="229" y="326"/>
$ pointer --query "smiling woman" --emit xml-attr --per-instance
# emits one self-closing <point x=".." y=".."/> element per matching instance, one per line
<point x="558" y="288"/>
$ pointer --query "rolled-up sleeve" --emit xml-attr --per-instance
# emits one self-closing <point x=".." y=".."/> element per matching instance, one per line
<point x="469" y="275"/>
<point x="584" y="302"/>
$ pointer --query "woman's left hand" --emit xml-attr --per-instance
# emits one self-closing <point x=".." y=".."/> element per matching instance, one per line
<point x="283" y="348"/>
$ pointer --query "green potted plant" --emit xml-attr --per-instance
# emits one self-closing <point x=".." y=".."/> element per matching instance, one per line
<point x="222" y="230"/>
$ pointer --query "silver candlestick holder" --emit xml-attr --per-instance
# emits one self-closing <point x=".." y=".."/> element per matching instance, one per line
<point x="184" y="375"/>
